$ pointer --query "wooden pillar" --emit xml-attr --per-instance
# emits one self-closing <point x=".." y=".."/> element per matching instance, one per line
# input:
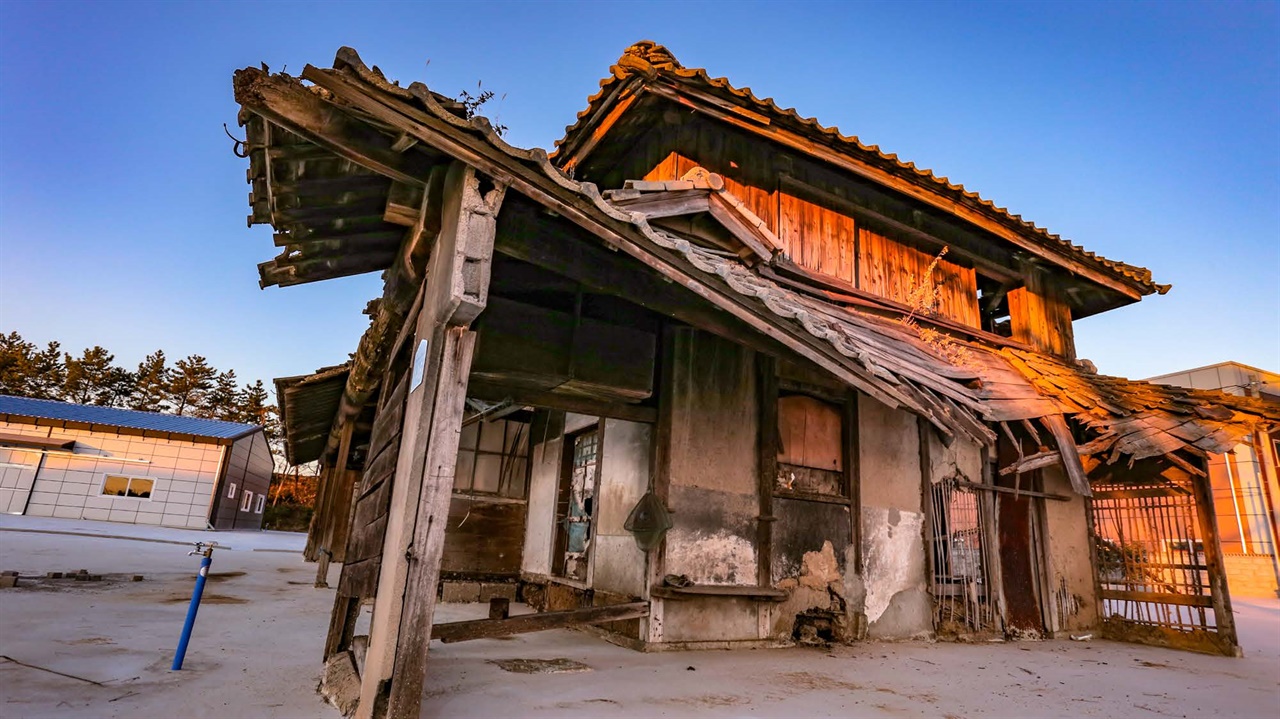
<point x="1040" y="316"/>
<point x="660" y="472"/>
<point x="337" y="512"/>
<point x="343" y="501"/>
<point x="455" y="291"/>
<point x="315" y="528"/>
<point x="1224" y="620"/>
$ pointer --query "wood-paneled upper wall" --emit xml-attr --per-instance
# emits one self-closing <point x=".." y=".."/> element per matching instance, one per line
<point x="819" y="238"/>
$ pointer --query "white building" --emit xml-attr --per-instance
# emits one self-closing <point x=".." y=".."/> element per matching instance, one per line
<point x="1246" y="481"/>
<point x="84" y="462"/>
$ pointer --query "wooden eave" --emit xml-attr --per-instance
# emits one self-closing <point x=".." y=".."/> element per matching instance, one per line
<point x="649" y="69"/>
<point x="308" y="405"/>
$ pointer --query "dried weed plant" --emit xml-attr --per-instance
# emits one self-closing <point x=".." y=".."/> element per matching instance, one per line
<point x="923" y="300"/>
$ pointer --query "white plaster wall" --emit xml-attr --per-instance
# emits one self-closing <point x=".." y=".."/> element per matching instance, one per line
<point x="624" y="478"/>
<point x="539" y="526"/>
<point x="71" y="487"/>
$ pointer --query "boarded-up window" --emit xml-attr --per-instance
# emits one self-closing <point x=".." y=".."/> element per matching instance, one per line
<point x="493" y="458"/>
<point x="810" y="446"/>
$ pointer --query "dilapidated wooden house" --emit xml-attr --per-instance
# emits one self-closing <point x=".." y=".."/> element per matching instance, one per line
<point x="705" y="377"/>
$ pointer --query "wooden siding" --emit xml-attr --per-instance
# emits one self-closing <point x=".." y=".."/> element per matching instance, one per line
<point x="892" y="269"/>
<point x="818" y="237"/>
<point x="369" y="521"/>
<point x="1040" y="316"/>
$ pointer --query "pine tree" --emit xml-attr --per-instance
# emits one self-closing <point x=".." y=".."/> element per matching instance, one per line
<point x="151" y="384"/>
<point x="16" y="362"/>
<point x="47" y="373"/>
<point x="191" y="378"/>
<point x="117" y="388"/>
<point x="255" y="407"/>
<point x="224" y="400"/>
<point x="88" y="376"/>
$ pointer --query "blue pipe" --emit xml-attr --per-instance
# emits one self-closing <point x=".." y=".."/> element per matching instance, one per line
<point x="206" y="559"/>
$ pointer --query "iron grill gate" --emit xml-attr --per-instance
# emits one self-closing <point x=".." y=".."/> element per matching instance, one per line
<point x="964" y="601"/>
<point x="1153" y="572"/>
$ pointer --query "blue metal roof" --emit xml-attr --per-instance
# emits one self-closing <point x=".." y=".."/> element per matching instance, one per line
<point x="154" y="421"/>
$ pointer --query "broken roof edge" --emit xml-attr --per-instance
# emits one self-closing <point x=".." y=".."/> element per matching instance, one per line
<point x="646" y="61"/>
<point x="287" y="389"/>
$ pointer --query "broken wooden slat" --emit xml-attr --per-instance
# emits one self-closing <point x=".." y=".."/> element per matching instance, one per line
<point x="450" y="632"/>
<point x="1184" y="600"/>
<point x="1057" y="426"/>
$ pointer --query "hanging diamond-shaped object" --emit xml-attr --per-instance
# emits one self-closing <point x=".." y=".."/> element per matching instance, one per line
<point x="648" y="521"/>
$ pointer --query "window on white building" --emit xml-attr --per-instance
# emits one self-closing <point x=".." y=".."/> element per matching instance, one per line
<point x="116" y="485"/>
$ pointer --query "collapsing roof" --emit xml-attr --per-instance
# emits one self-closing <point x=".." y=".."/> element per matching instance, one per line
<point x="308" y="145"/>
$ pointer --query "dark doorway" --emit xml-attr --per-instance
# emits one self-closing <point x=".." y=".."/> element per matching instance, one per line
<point x="1016" y="522"/>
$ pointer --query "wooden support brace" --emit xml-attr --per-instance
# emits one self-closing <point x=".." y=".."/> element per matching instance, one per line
<point x="542" y="621"/>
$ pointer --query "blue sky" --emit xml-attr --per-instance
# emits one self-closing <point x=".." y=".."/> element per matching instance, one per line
<point x="1148" y="133"/>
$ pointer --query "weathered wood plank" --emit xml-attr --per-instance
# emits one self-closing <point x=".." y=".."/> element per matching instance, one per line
<point x="427" y="545"/>
<point x="489" y="628"/>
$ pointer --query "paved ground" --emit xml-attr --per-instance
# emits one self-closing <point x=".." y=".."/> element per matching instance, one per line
<point x="260" y="630"/>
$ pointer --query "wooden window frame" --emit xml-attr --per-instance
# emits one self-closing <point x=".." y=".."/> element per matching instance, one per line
<point x="476" y="452"/>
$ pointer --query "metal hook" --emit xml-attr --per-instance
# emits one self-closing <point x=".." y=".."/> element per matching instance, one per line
<point x="239" y="143"/>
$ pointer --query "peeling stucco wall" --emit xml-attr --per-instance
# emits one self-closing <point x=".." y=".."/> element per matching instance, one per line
<point x="1073" y="601"/>
<point x="713" y="495"/>
<point x="897" y="602"/>
<point x="897" y="599"/>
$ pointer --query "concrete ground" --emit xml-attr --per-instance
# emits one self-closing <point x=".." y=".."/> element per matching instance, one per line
<point x="103" y="649"/>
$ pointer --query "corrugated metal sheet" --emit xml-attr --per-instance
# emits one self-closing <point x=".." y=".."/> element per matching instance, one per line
<point x="134" y="419"/>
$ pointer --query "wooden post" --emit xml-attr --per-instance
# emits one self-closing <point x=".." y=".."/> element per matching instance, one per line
<point x="1224" y="620"/>
<point x="337" y="512"/>
<point x="660" y="471"/>
<point x="767" y="397"/>
<point x="315" y="528"/>
<point x="455" y="292"/>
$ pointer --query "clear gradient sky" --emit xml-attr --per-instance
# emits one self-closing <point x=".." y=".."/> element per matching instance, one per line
<point x="1147" y="132"/>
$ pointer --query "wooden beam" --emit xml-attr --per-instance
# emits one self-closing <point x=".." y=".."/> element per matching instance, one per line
<point x="656" y="205"/>
<point x="275" y="272"/>
<point x="286" y="102"/>
<point x="492" y="392"/>
<point x="1057" y="426"/>
<point x="426" y="547"/>
<point x="602" y="120"/>
<point x="451" y="632"/>
<point x="1011" y="490"/>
